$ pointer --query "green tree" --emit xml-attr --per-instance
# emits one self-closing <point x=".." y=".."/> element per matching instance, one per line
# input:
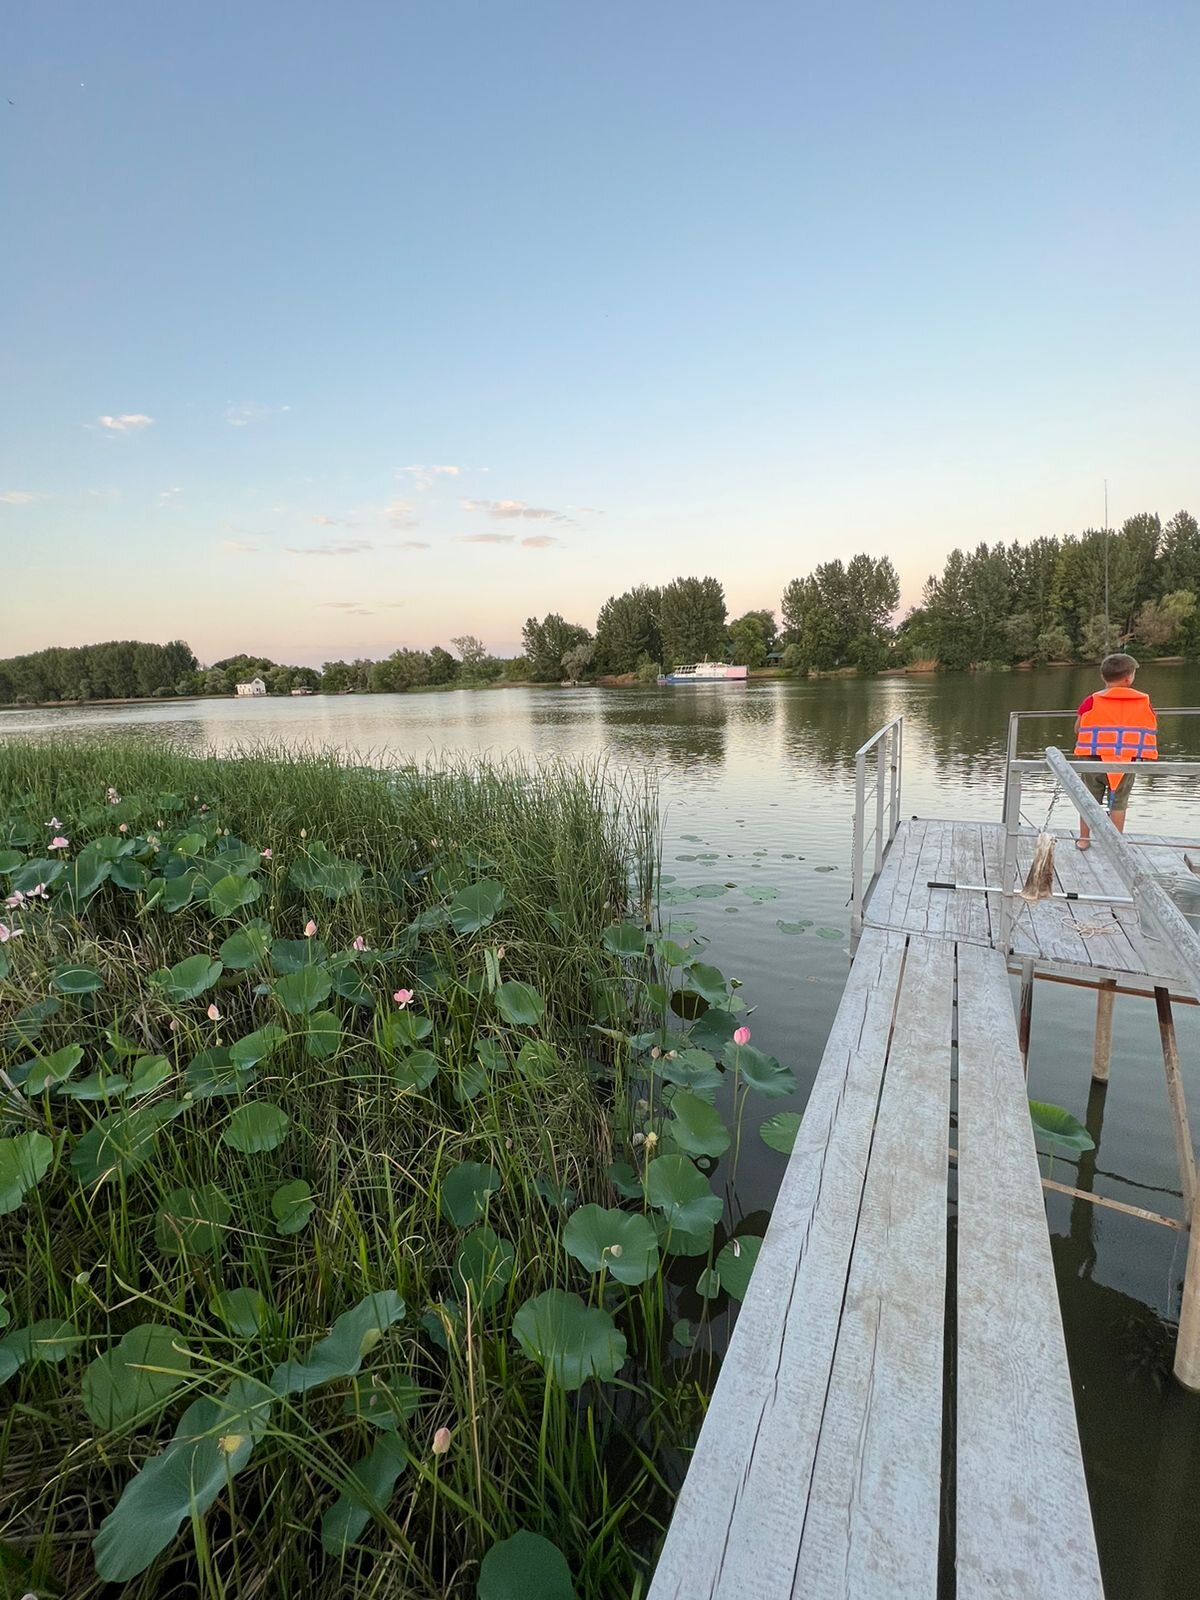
<point x="691" y="621"/>
<point x="627" y="628"/>
<point x="547" y="642"/>
<point x="1160" y="621"/>
<point x="473" y="654"/>
<point x="577" y="660"/>
<point x="749" y="640"/>
<point x="443" y="668"/>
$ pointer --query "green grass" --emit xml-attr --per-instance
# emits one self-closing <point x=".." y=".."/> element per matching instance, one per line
<point x="527" y="992"/>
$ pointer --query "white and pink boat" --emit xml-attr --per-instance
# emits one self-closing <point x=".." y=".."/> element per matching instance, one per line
<point x="705" y="672"/>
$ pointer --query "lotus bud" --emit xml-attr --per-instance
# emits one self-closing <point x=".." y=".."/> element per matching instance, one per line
<point x="441" y="1441"/>
<point x="741" y="1036"/>
<point x="615" y="1251"/>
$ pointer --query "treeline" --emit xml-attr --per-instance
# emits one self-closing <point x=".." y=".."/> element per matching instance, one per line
<point x="123" y="669"/>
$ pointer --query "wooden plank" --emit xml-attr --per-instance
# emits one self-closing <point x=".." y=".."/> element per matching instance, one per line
<point x="872" y="1525"/>
<point x="895" y="881"/>
<point x="736" y="1528"/>
<point x="970" y="912"/>
<point x="1023" y="1524"/>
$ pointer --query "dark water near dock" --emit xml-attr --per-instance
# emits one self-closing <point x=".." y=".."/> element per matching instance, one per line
<point x="757" y="787"/>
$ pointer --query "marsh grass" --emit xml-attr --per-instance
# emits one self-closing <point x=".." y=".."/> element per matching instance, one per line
<point x="575" y="852"/>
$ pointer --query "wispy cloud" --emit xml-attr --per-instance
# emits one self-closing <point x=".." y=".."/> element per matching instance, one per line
<point x="237" y="547"/>
<point x="342" y="547"/>
<point x="127" y="422"/>
<point x="413" y="544"/>
<point x="486" y="538"/>
<point x="515" y="508"/>
<point x="18" y="497"/>
<point x="401" y="513"/>
<point x="540" y="541"/>
<point x="165" y="496"/>
<point x="240" y="414"/>
<point x="352" y="608"/>
<point x="326" y="522"/>
<point x="423" y="477"/>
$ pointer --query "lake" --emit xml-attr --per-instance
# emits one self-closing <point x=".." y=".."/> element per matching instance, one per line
<point x="757" y="791"/>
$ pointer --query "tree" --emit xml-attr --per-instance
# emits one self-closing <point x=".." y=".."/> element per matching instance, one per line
<point x="749" y="640"/>
<point x="1052" y="644"/>
<point x="627" y="628"/>
<point x="442" y="666"/>
<point x="1021" y="632"/>
<point x="547" y="642"/>
<point x="1159" y="621"/>
<point x="473" y="654"/>
<point x="577" y="660"/>
<point x="691" y="621"/>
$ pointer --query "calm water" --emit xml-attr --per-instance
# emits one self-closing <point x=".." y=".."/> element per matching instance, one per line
<point x="757" y="787"/>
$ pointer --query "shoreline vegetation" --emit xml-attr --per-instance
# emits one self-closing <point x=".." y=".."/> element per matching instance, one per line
<point x="359" y="1138"/>
<point x="1046" y="602"/>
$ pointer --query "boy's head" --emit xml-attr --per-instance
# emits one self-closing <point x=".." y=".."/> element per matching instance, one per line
<point x="1118" y="668"/>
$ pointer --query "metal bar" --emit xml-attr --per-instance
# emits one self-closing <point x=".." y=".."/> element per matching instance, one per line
<point x="1156" y="910"/>
<point x="1184" y="1148"/>
<point x="1025" y="1012"/>
<point x="1069" y="894"/>
<point x="1010" y="758"/>
<point x="880" y="753"/>
<point x="897" y="759"/>
<point x="856" y="888"/>
<point x="1071" y="711"/>
<point x="1141" y="768"/>
<point x="1012" y="826"/>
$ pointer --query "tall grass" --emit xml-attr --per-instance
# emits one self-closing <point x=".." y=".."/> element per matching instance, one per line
<point x="575" y="852"/>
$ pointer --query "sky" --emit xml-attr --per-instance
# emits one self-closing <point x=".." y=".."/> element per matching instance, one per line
<point x="331" y="330"/>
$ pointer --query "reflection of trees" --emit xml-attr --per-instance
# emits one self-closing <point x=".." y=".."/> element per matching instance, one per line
<point x="672" y="728"/>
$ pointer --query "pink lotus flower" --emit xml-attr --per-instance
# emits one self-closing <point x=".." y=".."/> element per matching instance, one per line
<point x="7" y="933"/>
<point x="15" y="899"/>
<point x="402" y="997"/>
<point x="59" y="843"/>
<point x="310" y="928"/>
<point x="741" y="1036"/>
<point x="360" y="943"/>
<point x="266" y="854"/>
<point x="655" y="1054"/>
<point x="38" y="892"/>
<point x="214" y="1013"/>
<point x="441" y="1441"/>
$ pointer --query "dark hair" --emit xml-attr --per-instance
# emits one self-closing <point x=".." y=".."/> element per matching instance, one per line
<point x="1117" y="666"/>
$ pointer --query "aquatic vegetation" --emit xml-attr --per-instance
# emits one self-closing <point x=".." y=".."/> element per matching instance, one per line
<point x="354" y="1179"/>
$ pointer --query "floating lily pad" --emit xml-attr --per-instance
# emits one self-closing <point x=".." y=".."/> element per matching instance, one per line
<point x="625" y="939"/>
<point x="830" y="933"/>
<point x="24" y="1162"/>
<point x="682" y="1194"/>
<point x="793" y="927"/>
<point x="824" y="869"/>
<point x="621" y="1243"/>
<point x="779" y="1132"/>
<point x="136" y="1377"/>
<point x="256" y="1127"/>
<point x="1056" y="1125"/>
<point x="760" y="891"/>
<point x="465" y="1189"/>
<point x="477" y="905"/>
<point x="484" y="1267"/>
<point x="735" y="1263"/>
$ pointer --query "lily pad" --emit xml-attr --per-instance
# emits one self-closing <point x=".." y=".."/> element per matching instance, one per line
<point x="690" y="1069"/>
<point x="519" y="1004"/>
<point x="24" y="1162"/>
<point x="254" y="1047"/>
<point x="465" y="1189"/>
<point x="570" y="1340"/>
<point x="188" y="979"/>
<point x="293" y="955"/>
<point x="760" y="892"/>
<point x="48" y="1072"/>
<point x="477" y="905"/>
<point x="323" y="1036"/>
<point x="416" y="1070"/>
<point x="247" y="947"/>
<point x="243" y="1310"/>
<point x="830" y="933"/>
<point x="77" y="980"/>
<point x="292" y="1205"/>
<point x="231" y="894"/>
<point x="621" y="1243"/>
<point x="676" y="1188"/>
<point x="697" y="1129"/>
<point x="303" y="991"/>
<point x="793" y="927"/>
<point x="121" y="1142"/>
<point x="344" y="1348"/>
<point x="625" y="1180"/>
<point x="625" y="939"/>
<point x="525" y="1567"/>
<point x="760" y="1071"/>
<point x="372" y="1481"/>
<point x="735" y="1263"/>
<point x="136" y="1377"/>
<point x="192" y="1221"/>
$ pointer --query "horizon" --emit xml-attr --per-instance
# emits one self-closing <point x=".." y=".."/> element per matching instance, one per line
<point x="330" y="338"/>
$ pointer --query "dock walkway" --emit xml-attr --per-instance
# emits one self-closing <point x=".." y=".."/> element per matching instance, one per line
<point x="894" y="1417"/>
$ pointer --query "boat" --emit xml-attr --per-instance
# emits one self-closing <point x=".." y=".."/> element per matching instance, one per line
<point x="704" y="672"/>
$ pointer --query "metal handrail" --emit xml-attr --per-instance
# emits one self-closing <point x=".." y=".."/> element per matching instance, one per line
<point x="888" y="745"/>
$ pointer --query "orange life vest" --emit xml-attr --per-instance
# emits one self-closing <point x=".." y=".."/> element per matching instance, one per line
<point x="1119" y="725"/>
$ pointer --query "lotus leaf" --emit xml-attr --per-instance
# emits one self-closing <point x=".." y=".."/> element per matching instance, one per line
<point x="625" y="1180"/>
<point x="373" y="1479"/>
<point x="343" y="1349"/>
<point x="625" y="939"/>
<point x="1057" y="1125"/>
<point x="383" y="1399"/>
<point x="24" y="1162"/>
<point x="525" y="1567"/>
<point x="779" y="1132"/>
<point x="47" y="1072"/>
<point x="714" y="1029"/>
<point x="188" y="979"/>
<point x="484" y="1266"/>
<point x="465" y="1189"/>
<point x="707" y="981"/>
<point x="212" y="1073"/>
<point x="519" y="1004"/>
<point x="245" y="1311"/>
<point x="258" y="1126"/>
<point x="321" y="872"/>
<point x="403" y="1029"/>
<point x="416" y="1070"/>
<point x="303" y="991"/>
<point x="192" y="1221"/>
<point x="248" y="946"/>
<point x="682" y="1194"/>
<point x="136" y="1377"/>
<point x="292" y="1205"/>
<point x="697" y="1128"/>
<point x="690" y="1069"/>
<point x="35" y="872"/>
<point x="572" y="1341"/>
<point x="735" y="1263"/>
<point x="536" y="1060"/>
<point x="760" y="1071"/>
<point x="50" y="1341"/>
<point x="621" y="1243"/>
<point x="77" y="980"/>
<point x="96" y="1086"/>
<point x="254" y="1047"/>
<point x="293" y="955"/>
<point x="121" y="1142"/>
<point x="323" y="1036"/>
<point x="476" y="906"/>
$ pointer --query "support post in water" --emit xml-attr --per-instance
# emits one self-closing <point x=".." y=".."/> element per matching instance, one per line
<point x="1187" y="1343"/>
<point x="1106" y="996"/>
<point x="1025" y="1013"/>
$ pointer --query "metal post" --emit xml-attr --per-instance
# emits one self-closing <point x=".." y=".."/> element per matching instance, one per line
<point x="880" y="802"/>
<point x="1013" y="728"/>
<point x="856" y="866"/>
<point x="897" y="758"/>
<point x="1106" y="996"/>
<point x="1184" y="1149"/>
<point x="1012" y="825"/>
<point x="1025" y="1012"/>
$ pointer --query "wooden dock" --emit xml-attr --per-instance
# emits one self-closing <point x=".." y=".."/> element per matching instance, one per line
<point x="894" y="1416"/>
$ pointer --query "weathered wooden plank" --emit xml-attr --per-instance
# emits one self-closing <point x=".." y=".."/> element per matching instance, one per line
<point x="737" y="1525"/>
<point x="895" y="881"/>
<point x="872" y="1524"/>
<point x="1023" y="1524"/>
<point x="970" y="912"/>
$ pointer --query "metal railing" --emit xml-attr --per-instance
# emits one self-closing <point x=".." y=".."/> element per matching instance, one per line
<point x="1016" y="766"/>
<point x="887" y="745"/>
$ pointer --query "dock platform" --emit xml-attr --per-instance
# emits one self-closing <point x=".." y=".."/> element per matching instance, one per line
<point x="894" y="1416"/>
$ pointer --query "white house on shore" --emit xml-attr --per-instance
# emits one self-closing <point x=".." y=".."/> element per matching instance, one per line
<point x="255" y="686"/>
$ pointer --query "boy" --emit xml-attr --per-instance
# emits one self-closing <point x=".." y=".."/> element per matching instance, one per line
<point x="1117" y="724"/>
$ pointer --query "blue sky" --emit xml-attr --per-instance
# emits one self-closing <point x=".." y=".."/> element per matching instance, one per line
<point x="657" y="288"/>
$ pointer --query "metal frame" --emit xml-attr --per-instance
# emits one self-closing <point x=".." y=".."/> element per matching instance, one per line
<point x="888" y="744"/>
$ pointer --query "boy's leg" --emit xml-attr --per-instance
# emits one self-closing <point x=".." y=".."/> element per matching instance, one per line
<point x="1098" y="787"/>
<point x="1120" y="802"/>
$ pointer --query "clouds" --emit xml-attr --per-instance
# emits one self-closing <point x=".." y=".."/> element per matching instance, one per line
<point x="17" y="497"/>
<point x="423" y="477"/>
<point x="413" y="544"/>
<point x="337" y="547"/>
<point x="401" y="513"/>
<point x="515" y="508"/>
<point x="242" y="413"/>
<point x="536" y="541"/>
<point x="539" y="541"/>
<point x="127" y="422"/>
<point x="237" y="547"/>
